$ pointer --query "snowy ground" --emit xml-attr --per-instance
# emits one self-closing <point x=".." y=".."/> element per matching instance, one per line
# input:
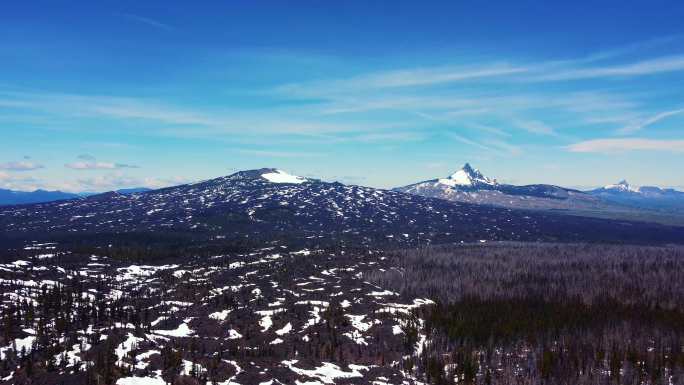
<point x="275" y="316"/>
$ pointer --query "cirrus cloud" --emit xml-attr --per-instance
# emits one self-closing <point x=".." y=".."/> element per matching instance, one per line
<point x="641" y="124"/>
<point x="89" y="162"/>
<point x="612" y="145"/>
<point x="114" y="181"/>
<point x="98" y="165"/>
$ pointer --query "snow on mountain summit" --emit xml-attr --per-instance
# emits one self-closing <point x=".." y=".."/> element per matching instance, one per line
<point x="642" y="197"/>
<point x="622" y="186"/>
<point x="467" y="176"/>
<point x="280" y="176"/>
<point x="469" y="185"/>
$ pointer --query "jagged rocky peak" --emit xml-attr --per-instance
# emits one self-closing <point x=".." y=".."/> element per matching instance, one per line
<point x="622" y="185"/>
<point x="467" y="176"/>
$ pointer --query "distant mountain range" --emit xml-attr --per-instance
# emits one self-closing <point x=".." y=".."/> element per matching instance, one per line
<point x="124" y="191"/>
<point x="13" y="197"/>
<point x="649" y="197"/>
<point x="267" y="204"/>
<point x="471" y="186"/>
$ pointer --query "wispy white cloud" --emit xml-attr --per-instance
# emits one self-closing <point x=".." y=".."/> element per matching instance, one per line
<point x="88" y="162"/>
<point x="280" y="154"/>
<point x="458" y="105"/>
<point x="148" y="21"/>
<point x="344" y="91"/>
<point x="490" y="146"/>
<point x="97" y="165"/>
<point x="393" y="101"/>
<point x="410" y="77"/>
<point x="364" y="95"/>
<point x="23" y="165"/>
<point x="504" y="147"/>
<point x="397" y="136"/>
<point x="640" y="124"/>
<point x="486" y="128"/>
<point x="622" y="119"/>
<point x="535" y="127"/>
<point x="18" y="182"/>
<point x="431" y="76"/>
<point x="99" y="183"/>
<point x="616" y="52"/>
<point x="468" y="142"/>
<point x="640" y="68"/>
<point x="180" y="121"/>
<point x="116" y="181"/>
<point x="612" y="145"/>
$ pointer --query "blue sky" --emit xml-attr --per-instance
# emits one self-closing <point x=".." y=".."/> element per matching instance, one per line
<point x="108" y="94"/>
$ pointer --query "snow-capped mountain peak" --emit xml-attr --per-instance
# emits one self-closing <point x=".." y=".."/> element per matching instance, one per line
<point x="467" y="176"/>
<point x="622" y="185"/>
<point x="280" y="176"/>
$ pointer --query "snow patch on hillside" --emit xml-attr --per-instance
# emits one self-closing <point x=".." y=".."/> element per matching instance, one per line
<point x="140" y="381"/>
<point x="182" y="331"/>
